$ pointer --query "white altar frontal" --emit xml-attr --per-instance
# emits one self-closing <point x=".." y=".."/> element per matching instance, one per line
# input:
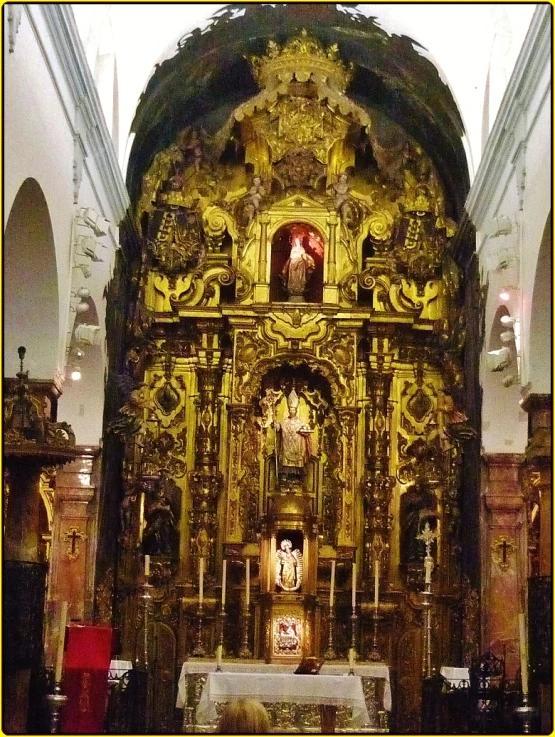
<point x="293" y="701"/>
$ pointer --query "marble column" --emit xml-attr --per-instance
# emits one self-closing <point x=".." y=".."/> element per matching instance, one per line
<point x="503" y="556"/>
<point x="73" y="548"/>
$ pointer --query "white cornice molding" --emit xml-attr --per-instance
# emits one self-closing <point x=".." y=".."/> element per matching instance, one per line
<point x="71" y="56"/>
<point x="507" y="133"/>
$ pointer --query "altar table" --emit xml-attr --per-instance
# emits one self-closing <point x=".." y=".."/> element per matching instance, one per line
<point x="374" y="676"/>
<point x="283" y="687"/>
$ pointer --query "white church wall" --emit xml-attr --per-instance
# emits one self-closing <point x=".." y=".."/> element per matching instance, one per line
<point x="509" y="204"/>
<point x="56" y="135"/>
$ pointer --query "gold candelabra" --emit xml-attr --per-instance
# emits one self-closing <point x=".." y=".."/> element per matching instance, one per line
<point x="427" y="536"/>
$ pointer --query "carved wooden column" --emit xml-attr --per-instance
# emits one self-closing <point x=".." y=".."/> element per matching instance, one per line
<point x="378" y="420"/>
<point x="206" y="481"/>
<point x="503" y="556"/>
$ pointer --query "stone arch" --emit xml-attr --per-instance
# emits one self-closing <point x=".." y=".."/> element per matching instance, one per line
<point x="31" y="296"/>
<point x="541" y="317"/>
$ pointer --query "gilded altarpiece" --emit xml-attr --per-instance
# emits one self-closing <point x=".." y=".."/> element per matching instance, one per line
<point x="295" y="389"/>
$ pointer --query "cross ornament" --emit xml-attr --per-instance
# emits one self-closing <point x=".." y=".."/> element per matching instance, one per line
<point x="73" y="536"/>
<point x="503" y="548"/>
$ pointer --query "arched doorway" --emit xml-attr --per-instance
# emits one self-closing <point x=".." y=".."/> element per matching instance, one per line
<point x="31" y="304"/>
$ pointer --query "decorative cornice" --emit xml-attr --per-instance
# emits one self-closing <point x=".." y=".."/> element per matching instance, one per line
<point x="71" y="56"/>
<point x="505" y="139"/>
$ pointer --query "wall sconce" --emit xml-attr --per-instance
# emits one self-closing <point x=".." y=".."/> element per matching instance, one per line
<point x="507" y="336"/>
<point x="510" y="380"/>
<point x="87" y="334"/>
<point x="85" y="270"/>
<point x="504" y="294"/>
<point x="507" y="320"/>
<point x="76" y="373"/>
<point x="498" y="360"/>
<point x="87" y="247"/>
<point x="91" y="219"/>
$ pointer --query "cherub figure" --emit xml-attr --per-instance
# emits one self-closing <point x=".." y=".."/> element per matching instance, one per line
<point x="255" y="197"/>
<point x="341" y="192"/>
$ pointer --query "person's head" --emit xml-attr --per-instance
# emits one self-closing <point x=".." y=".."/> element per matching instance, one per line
<point x="286" y="545"/>
<point x="245" y="716"/>
<point x="292" y="412"/>
<point x="256" y="180"/>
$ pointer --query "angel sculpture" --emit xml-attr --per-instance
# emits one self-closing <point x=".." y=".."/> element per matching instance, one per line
<point x="289" y="567"/>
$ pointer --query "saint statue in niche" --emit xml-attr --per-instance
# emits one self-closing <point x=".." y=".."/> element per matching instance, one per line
<point x="294" y="442"/>
<point x="289" y="567"/>
<point x="297" y="270"/>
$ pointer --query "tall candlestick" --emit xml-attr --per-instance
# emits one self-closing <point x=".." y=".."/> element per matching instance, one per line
<point x="200" y="581"/>
<point x="351" y="658"/>
<point x="332" y="582"/>
<point x="523" y="652"/>
<point x="354" y="588"/>
<point x="147" y="566"/>
<point x="428" y="568"/>
<point x="224" y="580"/>
<point x="61" y="642"/>
<point x="376" y="583"/>
<point x="219" y="657"/>
<point x="248" y="583"/>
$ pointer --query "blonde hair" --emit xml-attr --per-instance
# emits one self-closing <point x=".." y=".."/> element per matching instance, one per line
<point x="245" y="716"/>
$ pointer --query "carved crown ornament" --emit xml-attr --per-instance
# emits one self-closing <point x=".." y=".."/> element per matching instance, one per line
<point x="301" y="58"/>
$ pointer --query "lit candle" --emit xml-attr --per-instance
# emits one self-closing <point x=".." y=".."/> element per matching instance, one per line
<point x="248" y="583"/>
<point x="219" y="656"/>
<point x="376" y="583"/>
<point x="224" y="578"/>
<point x="200" y="581"/>
<point x="332" y="582"/>
<point x="61" y="642"/>
<point x="354" y="587"/>
<point x="147" y="566"/>
<point x="523" y="653"/>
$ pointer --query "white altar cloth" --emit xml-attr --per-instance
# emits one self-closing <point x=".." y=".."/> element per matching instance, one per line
<point x="276" y="687"/>
<point x="368" y="670"/>
<point x="455" y="675"/>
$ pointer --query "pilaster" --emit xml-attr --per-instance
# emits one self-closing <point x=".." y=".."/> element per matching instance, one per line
<point x="504" y="556"/>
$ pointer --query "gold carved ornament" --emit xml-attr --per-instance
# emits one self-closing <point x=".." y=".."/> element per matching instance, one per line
<point x="503" y="548"/>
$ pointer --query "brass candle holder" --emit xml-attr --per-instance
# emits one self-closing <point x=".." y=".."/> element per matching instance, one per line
<point x="526" y="713"/>
<point x="199" y="651"/>
<point x="56" y="701"/>
<point x="146" y="597"/>
<point x="245" y="651"/>
<point x="374" y="655"/>
<point x="221" y="626"/>
<point x="330" y="653"/>
<point x="354" y="618"/>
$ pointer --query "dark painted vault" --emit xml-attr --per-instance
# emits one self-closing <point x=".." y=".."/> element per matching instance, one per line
<point x="209" y="77"/>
